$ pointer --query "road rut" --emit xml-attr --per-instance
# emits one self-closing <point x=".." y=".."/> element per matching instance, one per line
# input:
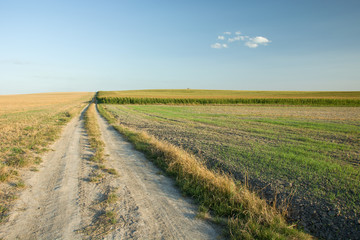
<point x="156" y="208"/>
<point x="57" y="200"/>
<point x="49" y="207"/>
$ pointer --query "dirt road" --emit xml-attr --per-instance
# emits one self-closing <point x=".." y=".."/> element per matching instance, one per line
<point x="59" y="200"/>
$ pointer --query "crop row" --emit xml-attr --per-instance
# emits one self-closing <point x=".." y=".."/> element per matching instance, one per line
<point x="204" y="101"/>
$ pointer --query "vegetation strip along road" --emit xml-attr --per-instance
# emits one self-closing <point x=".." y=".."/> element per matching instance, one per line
<point x="28" y="125"/>
<point x="151" y="206"/>
<point x="51" y="193"/>
<point x="84" y="189"/>
<point x="249" y="216"/>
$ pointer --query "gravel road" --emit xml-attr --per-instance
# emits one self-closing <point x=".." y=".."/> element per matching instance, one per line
<point x="58" y="201"/>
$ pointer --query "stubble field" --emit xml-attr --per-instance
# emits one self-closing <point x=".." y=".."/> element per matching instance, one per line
<point x="28" y="124"/>
<point x="303" y="159"/>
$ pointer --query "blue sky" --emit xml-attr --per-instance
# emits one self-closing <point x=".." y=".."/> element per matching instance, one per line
<point x="48" y="46"/>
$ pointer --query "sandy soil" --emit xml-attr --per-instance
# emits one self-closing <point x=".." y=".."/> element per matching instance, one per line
<point x="49" y="206"/>
<point x="59" y="201"/>
<point x="153" y="207"/>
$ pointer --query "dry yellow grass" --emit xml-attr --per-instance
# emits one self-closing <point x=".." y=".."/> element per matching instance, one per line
<point x="28" y="102"/>
<point x="93" y="130"/>
<point x="106" y="216"/>
<point x="28" y="124"/>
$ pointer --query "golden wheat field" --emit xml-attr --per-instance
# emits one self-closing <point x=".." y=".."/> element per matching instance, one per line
<point x="29" y="122"/>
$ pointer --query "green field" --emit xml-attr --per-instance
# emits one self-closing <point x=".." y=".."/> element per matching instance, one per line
<point x="196" y="93"/>
<point x="203" y="97"/>
<point x="305" y="156"/>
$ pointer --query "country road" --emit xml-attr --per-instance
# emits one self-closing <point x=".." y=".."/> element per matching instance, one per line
<point x="58" y="201"/>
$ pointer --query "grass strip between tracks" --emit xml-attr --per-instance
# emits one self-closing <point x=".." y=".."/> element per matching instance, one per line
<point x="249" y="217"/>
<point x="107" y="216"/>
<point x="92" y="128"/>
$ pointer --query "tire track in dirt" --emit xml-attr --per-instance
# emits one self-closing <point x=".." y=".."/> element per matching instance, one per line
<point x="60" y="202"/>
<point x="49" y="206"/>
<point x="153" y="207"/>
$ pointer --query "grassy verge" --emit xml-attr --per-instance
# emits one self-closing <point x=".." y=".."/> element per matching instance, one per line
<point x="249" y="217"/>
<point x="28" y="124"/>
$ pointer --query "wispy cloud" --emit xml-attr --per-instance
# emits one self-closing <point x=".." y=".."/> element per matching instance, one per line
<point x="219" y="45"/>
<point x="256" y="41"/>
<point x="237" y="38"/>
<point x="251" y="42"/>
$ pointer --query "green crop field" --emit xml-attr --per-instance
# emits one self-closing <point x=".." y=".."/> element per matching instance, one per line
<point x="188" y="96"/>
<point x="194" y="93"/>
<point x="305" y="159"/>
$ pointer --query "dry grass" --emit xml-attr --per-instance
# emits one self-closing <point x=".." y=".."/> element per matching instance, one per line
<point x="249" y="216"/>
<point x="94" y="134"/>
<point x="27" y="102"/>
<point x="95" y="140"/>
<point x="107" y="208"/>
<point x="28" y="124"/>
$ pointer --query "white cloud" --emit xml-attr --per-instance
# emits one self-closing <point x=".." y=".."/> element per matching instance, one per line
<point x="251" y="44"/>
<point x="219" y="45"/>
<point x="256" y="41"/>
<point x="216" y="45"/>
<point x="260" y="40"/>
<point x="237" y="38"/>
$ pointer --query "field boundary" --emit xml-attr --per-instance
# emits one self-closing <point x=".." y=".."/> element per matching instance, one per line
<point x="256" y="101"/>
<point x="248" y="216"/>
